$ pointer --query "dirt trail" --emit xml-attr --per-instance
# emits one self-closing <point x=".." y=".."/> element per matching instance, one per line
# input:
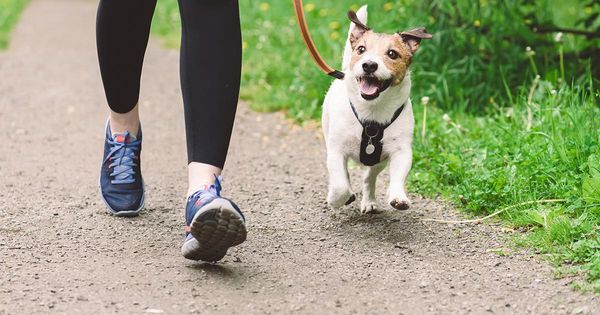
<point x="61" y="253"/>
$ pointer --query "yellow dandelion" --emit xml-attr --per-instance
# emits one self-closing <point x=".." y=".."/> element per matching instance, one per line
<point x="588" y="10"/>
<point x="477" y="23"/>
<point x="244" y="45"/>
<point x="388" y="6"/>
<point x="334" y="25"/>
<point x="265" y="6"/>
<point x="334" y="35"/>
<point x="323" y="12"/>
<point x="309" y="7"/>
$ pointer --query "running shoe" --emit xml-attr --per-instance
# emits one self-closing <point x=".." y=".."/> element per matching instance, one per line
<point x="213" y="225"/>
<point x="121" y="183"/>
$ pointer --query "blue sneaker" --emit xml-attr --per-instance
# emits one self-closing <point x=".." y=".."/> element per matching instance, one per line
<point x="121" y="183"/>
<point x="213" y="224"/>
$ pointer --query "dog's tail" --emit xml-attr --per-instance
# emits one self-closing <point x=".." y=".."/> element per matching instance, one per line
<point x="362" y="15"/>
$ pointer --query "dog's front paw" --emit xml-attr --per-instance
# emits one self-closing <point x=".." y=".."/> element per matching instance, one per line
<point x="368" y="206"/>
<point x="400" y="203"/>
<point x="339" y="198"/>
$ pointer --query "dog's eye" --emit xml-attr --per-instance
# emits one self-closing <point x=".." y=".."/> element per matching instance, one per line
<point x="361" y="49"/>
<point x="392" y="54"/>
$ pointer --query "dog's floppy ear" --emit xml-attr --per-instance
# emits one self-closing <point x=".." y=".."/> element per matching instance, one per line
<point x="413" y="38"/>
<point x="359" y="29"/>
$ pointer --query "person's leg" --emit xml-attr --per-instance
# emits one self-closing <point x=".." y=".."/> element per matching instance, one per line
<point x="211" y="54"/>
<point x="201" y="175"/>
<point x="126" y="122"/>
<point x="122" y="30"/>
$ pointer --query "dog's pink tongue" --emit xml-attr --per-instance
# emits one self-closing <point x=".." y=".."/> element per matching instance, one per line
<point x="368" y="88"/>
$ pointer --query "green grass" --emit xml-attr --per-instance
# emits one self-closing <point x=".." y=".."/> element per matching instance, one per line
<point x="478" y="49"/>
<point x="494" y="134"/>
<point x="9" y="15"/>
<point x="546" y="150"/>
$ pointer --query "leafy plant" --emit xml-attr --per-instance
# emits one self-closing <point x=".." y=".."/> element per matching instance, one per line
<point x="9" y="15"/>
<point x="591" y="184"/>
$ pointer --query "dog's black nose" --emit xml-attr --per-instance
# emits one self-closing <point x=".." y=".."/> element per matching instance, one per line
<point x="369" y="67"/>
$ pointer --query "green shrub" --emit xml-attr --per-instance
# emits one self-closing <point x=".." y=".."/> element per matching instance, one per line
<point x="477" y="57"/>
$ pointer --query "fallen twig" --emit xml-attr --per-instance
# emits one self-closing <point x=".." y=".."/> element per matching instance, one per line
<point x="497" y="212"/>
<point x="555" y="29"/>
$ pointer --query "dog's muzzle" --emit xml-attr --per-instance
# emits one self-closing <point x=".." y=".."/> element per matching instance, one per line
<point x="370" y="86"/>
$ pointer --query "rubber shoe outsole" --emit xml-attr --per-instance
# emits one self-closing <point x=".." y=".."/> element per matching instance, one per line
<point x="216" y="227"/>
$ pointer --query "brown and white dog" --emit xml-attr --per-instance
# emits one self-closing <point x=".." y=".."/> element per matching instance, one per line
<point x="368" y="116"/>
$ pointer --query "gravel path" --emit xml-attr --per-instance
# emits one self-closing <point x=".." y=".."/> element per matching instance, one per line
<point x="61" y="253"/>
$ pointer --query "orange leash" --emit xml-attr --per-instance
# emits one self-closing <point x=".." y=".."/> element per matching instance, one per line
<point x="299" y="9"/>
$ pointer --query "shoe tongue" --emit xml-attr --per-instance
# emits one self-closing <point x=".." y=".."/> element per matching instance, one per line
<point x="124" y="137"/>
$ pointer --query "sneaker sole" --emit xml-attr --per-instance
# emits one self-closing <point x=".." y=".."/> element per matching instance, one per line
<point x="215" y="229"/>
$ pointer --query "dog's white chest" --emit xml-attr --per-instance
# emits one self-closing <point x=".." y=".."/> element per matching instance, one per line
<point x="343" y="131"/>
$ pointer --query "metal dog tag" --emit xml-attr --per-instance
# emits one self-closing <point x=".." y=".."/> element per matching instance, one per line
<point x="370" y="149"/>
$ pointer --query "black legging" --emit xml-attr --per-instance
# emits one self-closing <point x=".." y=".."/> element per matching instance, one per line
<point x="210" y="64"/>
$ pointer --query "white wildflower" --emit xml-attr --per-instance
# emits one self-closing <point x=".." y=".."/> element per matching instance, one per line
<point x="558" y="37"/>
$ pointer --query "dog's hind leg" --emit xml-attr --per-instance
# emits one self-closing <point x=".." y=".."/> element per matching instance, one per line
<point x="339" y="182"/>
<point x="369" y="201"/>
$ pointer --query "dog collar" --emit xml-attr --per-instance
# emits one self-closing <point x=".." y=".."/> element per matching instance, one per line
<point x="371" y="146"/>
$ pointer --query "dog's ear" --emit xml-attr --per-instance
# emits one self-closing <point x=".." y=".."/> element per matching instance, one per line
<point x="358" y="29"/>
<point x="413" y="38"/>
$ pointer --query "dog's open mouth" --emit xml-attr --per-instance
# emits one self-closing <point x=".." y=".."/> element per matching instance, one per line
<point x="370" y="86"/>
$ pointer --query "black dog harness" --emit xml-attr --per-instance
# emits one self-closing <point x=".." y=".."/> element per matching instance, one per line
<point x="372" y="134"/>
